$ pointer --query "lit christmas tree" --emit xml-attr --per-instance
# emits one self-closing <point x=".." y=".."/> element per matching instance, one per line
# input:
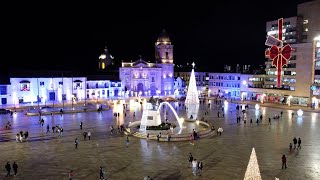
<point x="192" y="94"/>
<point x="253" y="172"/>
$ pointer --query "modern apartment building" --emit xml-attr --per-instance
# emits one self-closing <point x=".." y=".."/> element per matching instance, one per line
<point x="301" y="72"/>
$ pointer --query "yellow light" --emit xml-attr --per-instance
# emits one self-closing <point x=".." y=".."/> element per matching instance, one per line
<point x="102" y="65"/>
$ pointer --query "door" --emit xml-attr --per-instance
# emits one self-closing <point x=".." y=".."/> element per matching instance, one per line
<point x="116" y="92"/>
<point x="3" y="100"/>
<point x="52" y="96"/>
<point x="153" y="90"/>
<point x="140" y="88"/>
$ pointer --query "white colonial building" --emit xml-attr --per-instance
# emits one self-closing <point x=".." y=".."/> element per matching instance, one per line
<point x="150" y="79"/>
<point x="179" y="86"/>
<point x="31" y="90"/>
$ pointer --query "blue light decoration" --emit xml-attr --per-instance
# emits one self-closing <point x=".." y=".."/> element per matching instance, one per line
<point x="313" y="87"/>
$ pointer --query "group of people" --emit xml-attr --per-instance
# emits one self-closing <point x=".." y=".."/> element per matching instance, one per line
<point x="295" y="142"/>
<point x="22" y="136"/>
<point x="55" y="129"/>
<point x="14" y="167"/>
<point x="197" y="166"/>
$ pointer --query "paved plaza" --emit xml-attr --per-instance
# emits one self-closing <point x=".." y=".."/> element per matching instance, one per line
<point x="48" y="156"/>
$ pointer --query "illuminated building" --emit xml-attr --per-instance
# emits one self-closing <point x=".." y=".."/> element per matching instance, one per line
<point x="31" y="90"/>
<point x="145" y="78"/>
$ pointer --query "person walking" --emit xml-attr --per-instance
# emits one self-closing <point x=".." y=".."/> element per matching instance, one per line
<point x="71" y="174"/>
<point x="8" y="168"/>
<point x="194" y="167"/>
<point x="48" y="128"/>
<point x="148" y="137"/>
<point x="89" y="135"/>
<point x="269" y="121"/>
<point x="101" y="173"/>
<point x="250" y="121"/>
<point x="84" y="135"/>
<point x="200" y="166"/>
<point x="81" y="123"/>
<point x="299" y="143"/>
<point x="127" y="141"/>
<point x="76" y="143"/>
<point x="190" y="159"/>
<point x="15" y="168"/>
<point x="284" y="161"/>
<point x="295" y="142"/>
<point x="290" y="147"/>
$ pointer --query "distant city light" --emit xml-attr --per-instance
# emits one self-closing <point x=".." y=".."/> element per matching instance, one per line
<point x="300" y="112"/>
<point x="257" y="106"/>
<point x="244" y="82"/>
<point x="225" y="103"/>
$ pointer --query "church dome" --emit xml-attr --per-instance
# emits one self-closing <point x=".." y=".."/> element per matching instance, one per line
<point x="163" y="38"/>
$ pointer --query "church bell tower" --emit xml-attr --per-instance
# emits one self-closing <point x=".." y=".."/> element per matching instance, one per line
<point x="164" y="49"/>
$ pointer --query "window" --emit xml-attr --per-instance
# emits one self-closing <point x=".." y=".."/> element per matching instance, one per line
<point x="317" y="63"/>
<point x="167" y="55"/>
<point x="293" y="73"/>
<point x="106" y="85"/>
<point x="3" y="90"/>
<point x="60" y="83"/>
<point x="97" y="85"/>
<point x="292" y="65"/>
<point x="292" y="88"/>
<point x="103" y="92"/>
<point x="25" y="86"/>
<point x="41" y="83"/>
<point x="318" y="44"/>
<point x="318" y="53"/>
<point x="287" y="73"/>
<point x="239" y="78"/>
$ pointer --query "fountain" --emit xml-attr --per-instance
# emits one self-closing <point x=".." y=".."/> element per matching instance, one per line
<point x="151" y="115"/>
<point x="151" y="119"/>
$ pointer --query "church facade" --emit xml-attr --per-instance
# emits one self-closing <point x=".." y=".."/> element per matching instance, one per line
<point x="150" y="79"/>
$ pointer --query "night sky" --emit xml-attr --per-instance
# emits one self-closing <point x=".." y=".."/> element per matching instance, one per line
<point x="73" y="36"/>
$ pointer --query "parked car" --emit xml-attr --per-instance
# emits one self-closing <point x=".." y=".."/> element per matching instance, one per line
<point x="45" y="107"/>
<point x="5" y="111"/>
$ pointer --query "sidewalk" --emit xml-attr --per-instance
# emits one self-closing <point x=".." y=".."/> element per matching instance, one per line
<point x="276" y="105"/>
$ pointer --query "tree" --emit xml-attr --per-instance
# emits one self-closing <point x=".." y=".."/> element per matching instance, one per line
<point x="253" y="172"/>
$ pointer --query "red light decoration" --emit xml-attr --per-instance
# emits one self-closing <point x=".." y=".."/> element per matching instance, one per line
<point x="279" y="55"/>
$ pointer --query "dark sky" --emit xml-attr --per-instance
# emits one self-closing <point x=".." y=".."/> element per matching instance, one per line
<point x="73" y="35"/>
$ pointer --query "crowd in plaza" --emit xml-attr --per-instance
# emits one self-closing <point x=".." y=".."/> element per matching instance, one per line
<point x="197" y="166"/>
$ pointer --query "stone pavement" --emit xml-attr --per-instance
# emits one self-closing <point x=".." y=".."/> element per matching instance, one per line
<point x="47" y="156"/>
